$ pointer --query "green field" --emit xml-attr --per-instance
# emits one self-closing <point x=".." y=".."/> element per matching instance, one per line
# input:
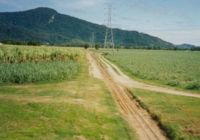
<point x="20" y="54"/>
<point x="34" y="64"/>
<point x="180" y="69"/>
<point x="75" y="106"/>
<point x="76" y="109"/>
<point x="178" y="116"/>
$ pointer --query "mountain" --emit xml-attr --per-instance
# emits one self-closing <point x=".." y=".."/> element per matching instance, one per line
<point x="46" y="25"/>
<point x="186" y="46"/>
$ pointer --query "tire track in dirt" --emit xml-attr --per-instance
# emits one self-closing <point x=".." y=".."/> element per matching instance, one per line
<point x="123" y="79"/>
<point x="139" y="119"/>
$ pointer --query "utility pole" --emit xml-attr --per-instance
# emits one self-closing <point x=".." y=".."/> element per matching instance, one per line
<point x="109" y="39"/>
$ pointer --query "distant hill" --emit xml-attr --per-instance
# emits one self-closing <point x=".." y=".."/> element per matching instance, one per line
<point x="46" y="25"/>
<point x="186" y="46"/>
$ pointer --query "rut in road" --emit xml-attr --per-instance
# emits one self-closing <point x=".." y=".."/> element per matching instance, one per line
<point x="139" y="119"/>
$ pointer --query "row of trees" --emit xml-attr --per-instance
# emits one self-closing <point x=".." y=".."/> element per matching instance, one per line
<point x="29" y="43"/>
<point x="96" y="46"/>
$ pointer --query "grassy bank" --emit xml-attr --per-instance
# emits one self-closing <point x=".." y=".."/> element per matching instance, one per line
<point x="177" y="115"/>
<point x="178" y="69"/>
<point x="79" y="109"/>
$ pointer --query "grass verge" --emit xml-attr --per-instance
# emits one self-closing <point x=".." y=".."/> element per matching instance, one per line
<point x="178" y="116"/>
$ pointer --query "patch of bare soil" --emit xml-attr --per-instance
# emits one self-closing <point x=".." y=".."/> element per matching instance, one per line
<point x="139" y="119"/>
<point x="93" y="69"/>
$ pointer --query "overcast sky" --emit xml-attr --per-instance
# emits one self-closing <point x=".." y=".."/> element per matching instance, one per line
<point x="177" y="21"/>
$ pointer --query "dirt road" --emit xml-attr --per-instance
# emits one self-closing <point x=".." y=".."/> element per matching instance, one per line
<point x="124" y="80"/>
<point x="145" y="127"/>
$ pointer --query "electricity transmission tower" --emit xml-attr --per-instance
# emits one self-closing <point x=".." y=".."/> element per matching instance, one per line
<point x="92" y="40"/>
<point x="109" y="39"/>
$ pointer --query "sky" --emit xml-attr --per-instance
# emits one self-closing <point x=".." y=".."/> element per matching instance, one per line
<point x="176" y="21"/>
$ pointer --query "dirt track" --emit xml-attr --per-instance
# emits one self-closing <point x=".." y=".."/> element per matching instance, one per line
<point x="138" y="118"/>
<point x="124" y="80"/>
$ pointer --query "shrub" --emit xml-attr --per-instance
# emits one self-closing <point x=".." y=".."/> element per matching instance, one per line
<point x="86" y="46"/>
<point x="192" y="85"/>
<point x="97" y="46"/>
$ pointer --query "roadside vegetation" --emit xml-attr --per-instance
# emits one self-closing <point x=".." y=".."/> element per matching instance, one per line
<point x="179" y="69"/>
<point x="33" y="64"/>
<point x="177" y="115"/>
<point x="77" y="109"/>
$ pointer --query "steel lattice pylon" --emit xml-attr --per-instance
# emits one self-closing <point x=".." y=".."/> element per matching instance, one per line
<point x="109" y="39"/>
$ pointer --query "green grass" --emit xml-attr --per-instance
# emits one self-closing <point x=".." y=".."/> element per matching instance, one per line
<point x="178" y="115"/>
<point x="81" y="108"/>
<point x="57" y="121"/>
<point x="180" y="69"/>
